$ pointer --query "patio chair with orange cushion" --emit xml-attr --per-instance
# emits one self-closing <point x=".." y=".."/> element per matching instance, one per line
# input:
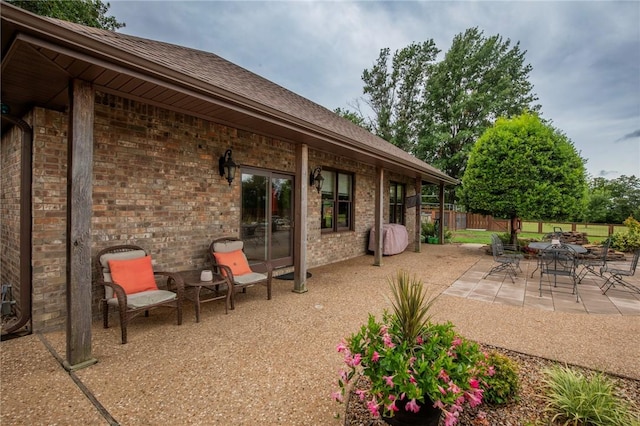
<point x="228" y="259"/>
<point x="130" y="285"/>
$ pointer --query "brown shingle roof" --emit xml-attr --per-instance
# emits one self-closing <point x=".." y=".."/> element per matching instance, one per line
<point x="220" y="76"/>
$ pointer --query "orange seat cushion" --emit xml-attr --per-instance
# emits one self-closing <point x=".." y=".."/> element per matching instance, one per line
<point x="134" y="275"/>
<point x="236" y="260"/>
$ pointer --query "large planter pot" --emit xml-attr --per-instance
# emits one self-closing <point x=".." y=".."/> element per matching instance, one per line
<point x="427" y="416"/>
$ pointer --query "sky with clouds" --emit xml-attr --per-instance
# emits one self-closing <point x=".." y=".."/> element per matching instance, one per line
<point x="585" y="55"/>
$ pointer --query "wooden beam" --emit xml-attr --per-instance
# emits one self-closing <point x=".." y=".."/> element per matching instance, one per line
<point x="379" y="200"/>
<point x="441" y="227"/>
<point x="418" y="216"/>
<point x="300" y="220"/>
<point x="79" y="208"/>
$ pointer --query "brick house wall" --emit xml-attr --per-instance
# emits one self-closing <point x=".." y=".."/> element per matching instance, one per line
<point x="156" y="184"/>
<point x="10" y="157"/>
<point x="324" y="248"/>
<point x="49" y="219"/>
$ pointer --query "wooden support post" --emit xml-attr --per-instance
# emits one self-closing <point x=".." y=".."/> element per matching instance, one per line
<point x="418" y="233"/>
<point x="300" y="220"/>
<point x="79" y="210"/>
<point x="377" y="254"/>
<point x="441" y="227"/>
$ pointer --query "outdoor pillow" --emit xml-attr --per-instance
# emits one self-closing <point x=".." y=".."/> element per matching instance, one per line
<point x="236" y="260"/>
<point x="134" y="275"/>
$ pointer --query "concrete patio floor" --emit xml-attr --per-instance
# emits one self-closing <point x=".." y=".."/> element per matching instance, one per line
<point x="498" y="288"/>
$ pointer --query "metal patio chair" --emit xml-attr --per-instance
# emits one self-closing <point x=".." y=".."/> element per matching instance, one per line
<point x="616" y="275"/>
<point x="559" y="260"/>
<point x="508" y="262"/>
<point x="130" y="285"/>
<point x="593" y="265"/>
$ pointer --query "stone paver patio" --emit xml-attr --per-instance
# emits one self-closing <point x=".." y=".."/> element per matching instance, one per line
<point x="498" y="288"/>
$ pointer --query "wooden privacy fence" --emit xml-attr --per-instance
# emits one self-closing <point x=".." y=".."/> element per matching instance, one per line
<point x="490" y="223"/>
<point x="589" y="229"/>
<point x="455" y="220"/>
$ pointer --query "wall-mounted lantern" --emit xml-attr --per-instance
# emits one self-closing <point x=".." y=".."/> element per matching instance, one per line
<point x="227" y="167"/>
<point x="316" y="179"/>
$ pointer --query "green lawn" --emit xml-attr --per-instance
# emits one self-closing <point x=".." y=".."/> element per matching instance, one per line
<point x="484" y="237"/>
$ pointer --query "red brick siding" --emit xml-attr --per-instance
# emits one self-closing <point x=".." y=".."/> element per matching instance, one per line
<point x="10" y="157"/>
<point x="327" y="248"/>
<point x="156" y="184"/>
<point x="49" y="219"/>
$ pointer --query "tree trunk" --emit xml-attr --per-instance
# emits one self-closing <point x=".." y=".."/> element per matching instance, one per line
<point x="515" y="230"/>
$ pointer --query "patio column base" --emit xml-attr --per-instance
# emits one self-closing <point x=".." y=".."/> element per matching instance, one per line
<point x="80" y="365"/>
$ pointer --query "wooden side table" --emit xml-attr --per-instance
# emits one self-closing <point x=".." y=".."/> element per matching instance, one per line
<point x="216" y="289"/>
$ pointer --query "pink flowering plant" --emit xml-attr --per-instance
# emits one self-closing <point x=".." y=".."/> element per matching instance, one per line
<point x="410" y="361"/>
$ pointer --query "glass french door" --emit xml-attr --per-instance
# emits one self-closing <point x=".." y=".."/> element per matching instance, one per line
<point x="267" y="218"/>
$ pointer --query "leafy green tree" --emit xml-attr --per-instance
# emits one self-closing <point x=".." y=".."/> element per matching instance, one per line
<point x="437" y="110"/>
<point x="625" y="198"/>
<point x="352" y="116"/>
<point x="480" y="79"/>
<point x="524" y="168"/>
<point x="597" y="207"/>
<point x="613" y="201"/>
<point x="394" y="90"/>
<point x="86" y="12"/>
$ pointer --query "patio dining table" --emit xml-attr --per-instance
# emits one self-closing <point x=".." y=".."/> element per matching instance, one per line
<point x="543" y="245"/>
